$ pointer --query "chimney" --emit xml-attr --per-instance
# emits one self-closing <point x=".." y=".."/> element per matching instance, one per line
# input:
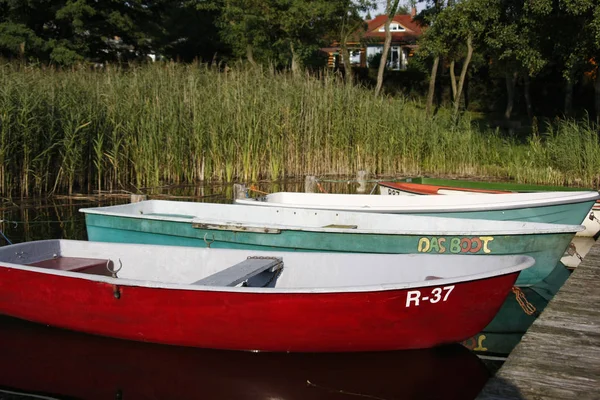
<point x="413" y="11"/>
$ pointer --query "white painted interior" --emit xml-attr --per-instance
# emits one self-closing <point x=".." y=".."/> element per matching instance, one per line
<point x="315" y="220"/>
<point x="178" y="267"/>
<point x="404" y="204"/>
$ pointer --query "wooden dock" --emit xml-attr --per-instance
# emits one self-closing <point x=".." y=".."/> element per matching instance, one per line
<point x="559" y="356"/>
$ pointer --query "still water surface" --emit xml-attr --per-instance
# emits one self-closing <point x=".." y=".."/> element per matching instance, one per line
<point x="36" y="360"/>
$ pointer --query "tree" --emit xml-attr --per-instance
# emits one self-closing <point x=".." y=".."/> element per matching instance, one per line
<point x="569" y="36"/>
<point x="513" y="41"/>
<point x="431" y="45"/>
<point x="351" y="25"/>
<point x="284" y="32"/>
<point x="69" y="31"/>
<point x="391" y="8"/>
<point x="456" y="32"/>
<point x="189" y="31"/>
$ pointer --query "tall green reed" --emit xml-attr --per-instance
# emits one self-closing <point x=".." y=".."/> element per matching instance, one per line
<point x="146" y="126"/>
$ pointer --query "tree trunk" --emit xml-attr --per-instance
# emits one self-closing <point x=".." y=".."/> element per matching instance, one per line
<point x="431" y="92"/>
<point x="597" y="96"/>
<point x="391" y="11"/>
<point x="453" y="80"/>
<point x="250" y="55"/>
<point x="346" y="61"/>
<point x="295" y="61"/>
<point x="568" y="97"/>
<point x="527" y="94"/>
<point x="463" y="73"/>
<point x="511" y="80"/>
<point x="383" y="62"/>
<point x="344" y="47"/>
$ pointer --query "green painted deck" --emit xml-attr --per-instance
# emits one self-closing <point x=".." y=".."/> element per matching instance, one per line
<point x="508" y="186"/>
<point x="559" y="356"/>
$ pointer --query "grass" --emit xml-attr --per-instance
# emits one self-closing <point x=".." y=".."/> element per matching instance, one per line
<point x="146" y="126"/>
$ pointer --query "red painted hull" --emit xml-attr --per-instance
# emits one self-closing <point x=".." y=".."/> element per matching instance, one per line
<point x="302" y="322"/>
<point x="420" y="188"/>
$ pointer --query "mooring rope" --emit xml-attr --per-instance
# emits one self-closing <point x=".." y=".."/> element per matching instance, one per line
<point x="527" y="307"/>
<point x="255" y="189"/>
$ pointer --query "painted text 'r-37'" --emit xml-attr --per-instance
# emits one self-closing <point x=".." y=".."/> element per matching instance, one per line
<point x="415" y="297"/>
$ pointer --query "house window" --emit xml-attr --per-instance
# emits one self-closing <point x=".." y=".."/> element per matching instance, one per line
<point x="394" y="27"/>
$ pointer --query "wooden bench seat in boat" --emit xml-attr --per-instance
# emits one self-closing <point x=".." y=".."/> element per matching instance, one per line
<point x="95" y="266"/>
<point x="240" y="272"/>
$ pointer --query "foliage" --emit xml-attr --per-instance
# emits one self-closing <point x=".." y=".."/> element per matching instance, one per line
<point x="65" y="32"/>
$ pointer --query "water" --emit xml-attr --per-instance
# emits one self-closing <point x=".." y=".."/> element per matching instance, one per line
<point x="62" y="364"/>
<point x="36" y="360"/>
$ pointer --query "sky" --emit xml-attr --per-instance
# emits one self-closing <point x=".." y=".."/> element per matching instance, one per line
<point x="381" y="6"/>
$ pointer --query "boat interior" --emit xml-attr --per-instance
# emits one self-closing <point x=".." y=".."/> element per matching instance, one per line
<point x="158" y="266"/>
<point x="486" y="201"/>
<point x="252" y="218"/>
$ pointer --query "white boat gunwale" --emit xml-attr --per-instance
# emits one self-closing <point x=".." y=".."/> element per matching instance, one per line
<point x="520" y="263"/>
<point x="456" y="203"/>
<point x="479" y="226"/>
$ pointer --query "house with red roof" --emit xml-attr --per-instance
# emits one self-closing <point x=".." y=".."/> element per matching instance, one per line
<point x="369" y="42"/>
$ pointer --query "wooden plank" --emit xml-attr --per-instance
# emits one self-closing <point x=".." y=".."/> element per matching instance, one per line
<point x="234" y="227"/>
<point x="240" y="272"/>
<point x="559" y="356"/>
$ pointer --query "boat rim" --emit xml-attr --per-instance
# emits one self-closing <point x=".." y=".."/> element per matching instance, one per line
<point x="560" y="199"/>
<point x="519" y="227"/>
<point x="522" y="262"/>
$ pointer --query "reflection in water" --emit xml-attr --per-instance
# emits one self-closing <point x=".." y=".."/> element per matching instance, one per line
<point x="40" y="360"/>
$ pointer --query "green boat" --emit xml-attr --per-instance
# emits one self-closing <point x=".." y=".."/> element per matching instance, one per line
<point x="289" y="229"/>
<point x="576" y="211"/>
<point x="519" y="311"/>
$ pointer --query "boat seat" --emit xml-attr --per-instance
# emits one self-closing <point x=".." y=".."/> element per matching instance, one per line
<point x="95" y="266"/>
<point x="240" y="272"/>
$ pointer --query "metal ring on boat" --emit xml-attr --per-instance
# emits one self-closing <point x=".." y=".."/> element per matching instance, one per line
<point x="207" y="242"/>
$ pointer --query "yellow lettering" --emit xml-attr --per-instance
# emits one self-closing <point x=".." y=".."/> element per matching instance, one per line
<point x="424" y="245"/>
<point x="480" y="347"/>
<point x="486" y="240"/>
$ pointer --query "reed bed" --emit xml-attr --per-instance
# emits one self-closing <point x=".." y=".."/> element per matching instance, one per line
<point x="147" y="126"/>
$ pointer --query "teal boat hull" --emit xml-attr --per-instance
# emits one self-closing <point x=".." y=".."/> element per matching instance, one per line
<point x="546" y="248"/>
<point x="519" y="311"/>
<point x="567" y="214"/>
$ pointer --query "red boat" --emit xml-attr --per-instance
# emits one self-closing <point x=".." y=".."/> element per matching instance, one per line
<point x="53" y="363"/>
<point x="250" y="300"/>
<point x="408" y="188"/>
